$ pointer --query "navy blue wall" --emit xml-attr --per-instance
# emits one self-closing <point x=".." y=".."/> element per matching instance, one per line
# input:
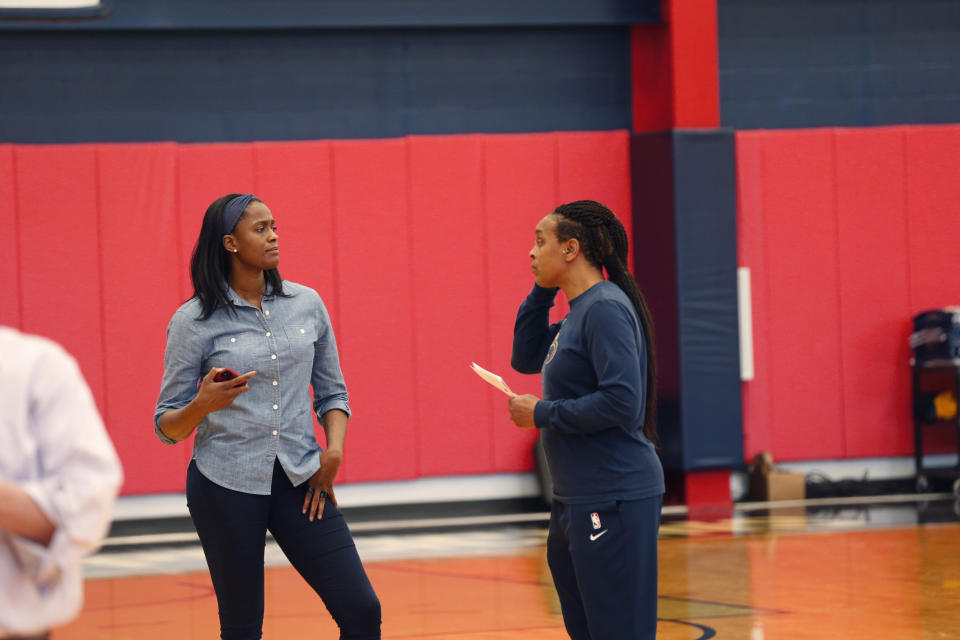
<point x="298" y="14"/>
<point x="802" y="63"/>
<point x="194" y="86"/>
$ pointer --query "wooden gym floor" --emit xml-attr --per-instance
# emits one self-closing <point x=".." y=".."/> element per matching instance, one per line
<point x="828" y="569"/>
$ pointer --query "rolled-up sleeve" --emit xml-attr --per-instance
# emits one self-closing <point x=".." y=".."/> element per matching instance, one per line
<point x="329" y="388"/>
<point x="182" y="362"/>
<point x="81" y="473"/>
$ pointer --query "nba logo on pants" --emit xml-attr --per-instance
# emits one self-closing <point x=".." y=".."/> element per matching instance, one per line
<point x="595" y="519"/>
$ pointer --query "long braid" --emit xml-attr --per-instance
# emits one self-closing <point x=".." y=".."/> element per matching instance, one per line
<point x="604" y="243"/>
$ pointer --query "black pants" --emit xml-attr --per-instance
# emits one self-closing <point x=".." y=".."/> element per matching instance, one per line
<point x="232" y="528"/>
<point x="603" y="558"/>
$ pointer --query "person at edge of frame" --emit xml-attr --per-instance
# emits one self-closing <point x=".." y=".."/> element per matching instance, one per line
<point x="596" y="422"/>
<point x="256" y="464"/>
<point x="59" y="478"/>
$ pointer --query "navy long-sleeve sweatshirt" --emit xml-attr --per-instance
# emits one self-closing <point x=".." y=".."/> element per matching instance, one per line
<point x="594" y="370"/>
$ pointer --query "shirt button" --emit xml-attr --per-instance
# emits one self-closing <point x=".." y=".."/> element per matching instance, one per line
<point x="274" y="432"/>
<point x="268" y="334"/>
<point x="273" y="356"/>
<point x="266" y="313"/>
<point x="275" y="383"/>
<point x="275" y="407"/>
<point x="233" y="339"/>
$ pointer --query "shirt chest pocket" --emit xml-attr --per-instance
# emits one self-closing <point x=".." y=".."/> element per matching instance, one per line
<point x="240" y="351"/>
<point x="301" y="339"/>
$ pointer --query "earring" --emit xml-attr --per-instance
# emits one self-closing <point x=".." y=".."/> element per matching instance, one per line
<point x="234" y="250"/>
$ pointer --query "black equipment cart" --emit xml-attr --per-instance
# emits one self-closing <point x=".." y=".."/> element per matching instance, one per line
<point x="936" y="387"/>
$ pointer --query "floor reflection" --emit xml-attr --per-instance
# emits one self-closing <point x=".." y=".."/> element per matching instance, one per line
<point x="884" y="570"/>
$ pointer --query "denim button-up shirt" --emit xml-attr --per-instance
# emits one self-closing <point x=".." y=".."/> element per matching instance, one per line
<point x="290" y="344"/>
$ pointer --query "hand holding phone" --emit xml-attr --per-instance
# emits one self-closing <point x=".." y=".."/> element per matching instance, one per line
<point x="221" y="376"/>
<point x="224" y="375"/>
<point x="213" y="397"/>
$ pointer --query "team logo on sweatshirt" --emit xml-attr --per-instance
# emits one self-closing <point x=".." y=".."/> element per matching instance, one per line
<point x="552" y="351"/>
<point x="595" y="519"/>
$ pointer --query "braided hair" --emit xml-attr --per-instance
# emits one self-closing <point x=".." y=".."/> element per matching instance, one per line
<point x="603" y="241"/>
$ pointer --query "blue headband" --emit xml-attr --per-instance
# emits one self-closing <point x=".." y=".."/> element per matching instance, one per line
<point x="232" y="212"/>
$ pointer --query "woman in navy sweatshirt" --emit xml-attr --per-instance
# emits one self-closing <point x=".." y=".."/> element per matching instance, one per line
<point x="596" y="422"/>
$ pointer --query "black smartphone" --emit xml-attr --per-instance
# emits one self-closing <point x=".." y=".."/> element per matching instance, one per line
<point x="226" y="374"/>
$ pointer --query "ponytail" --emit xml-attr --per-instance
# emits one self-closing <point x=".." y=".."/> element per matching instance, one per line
<point x="604" y="243"/>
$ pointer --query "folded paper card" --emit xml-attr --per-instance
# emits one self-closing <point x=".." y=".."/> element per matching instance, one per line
<point x="492" y="378"/>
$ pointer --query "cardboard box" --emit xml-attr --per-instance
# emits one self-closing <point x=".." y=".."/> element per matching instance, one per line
<point x="769" y="486"/>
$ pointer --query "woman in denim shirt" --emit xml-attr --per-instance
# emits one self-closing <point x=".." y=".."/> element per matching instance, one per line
<point x="256" y="463"/>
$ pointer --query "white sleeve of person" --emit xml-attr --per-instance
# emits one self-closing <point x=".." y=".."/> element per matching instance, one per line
<point x="78" y="474"/>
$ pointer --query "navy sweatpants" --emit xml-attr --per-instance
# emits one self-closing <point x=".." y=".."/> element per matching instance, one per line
<point x="603" y="558"/>
<point x="232" y="528"/>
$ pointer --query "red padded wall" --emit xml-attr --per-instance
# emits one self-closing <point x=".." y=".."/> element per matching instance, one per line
<point x="873" y="290"/>
<point x="10" y="264"/>
<point x="140" y="291"/>
<point x="419" y="247"/>
<point x="800" y="224"/>
<point x="450" y="308"/>
<point x="520" y="188"/>
<point x="596" y="166"/>
<point x="932" y="162"/>
<point x="294" y="179"/>
<point x="377" y="345"/>
<point x="206" y="172"/>
<point x="59" y="242"/>
<point x="848" y="234"/>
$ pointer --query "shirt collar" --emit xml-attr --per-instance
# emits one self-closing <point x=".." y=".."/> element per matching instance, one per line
<point x="593" y="288"/>
<point x="236" y="300"/>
